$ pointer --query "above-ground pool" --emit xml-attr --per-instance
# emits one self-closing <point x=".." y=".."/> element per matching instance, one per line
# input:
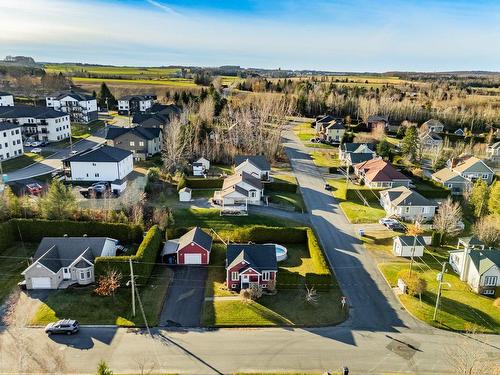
<point x="281" y="252"/>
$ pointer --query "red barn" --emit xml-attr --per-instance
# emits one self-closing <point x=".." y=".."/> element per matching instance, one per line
<point x="192" y="248"/>
<point x="250" y="264"/>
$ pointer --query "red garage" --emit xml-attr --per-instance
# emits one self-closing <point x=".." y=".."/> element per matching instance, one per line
<point x="192" y="248"/>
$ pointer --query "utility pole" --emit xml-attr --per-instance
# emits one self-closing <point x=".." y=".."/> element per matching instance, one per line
<point x="132" y="281"/>
<point x="412" y="253"/>
<point x="440" y="278"/>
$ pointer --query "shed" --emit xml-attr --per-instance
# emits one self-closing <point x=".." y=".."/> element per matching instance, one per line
<point x="403" y="246"/>
<point x="185" y="195"/>
<point x="193" y="248"/>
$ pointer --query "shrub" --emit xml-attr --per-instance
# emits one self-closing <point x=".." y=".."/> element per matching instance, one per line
<point x="436" y="238"/>
<point x="415" y="285"/>
<point x="283" y="187"/>
<point x="260" y="234"/>
<point x="289" y="280"/>
<point x="181" y="184"/>
<point x="7" y="235"/>
<point x="316" y="253"/>
<point x="202" y="183"/>
<point x="332" y="169"/>
<point x="496" y="303"/>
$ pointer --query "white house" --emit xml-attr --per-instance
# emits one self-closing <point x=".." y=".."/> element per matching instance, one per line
<point x="430" y="141"/>
<point x="407" y="204"/>
<point x="62" y="261"/>
<point x="432" y="125"/>
<point x="335" y="131"/>
<point x="6" y="99"/>
<point x="104" y="163"/>
<point x="493" y="152"/>
<point x="408" y="246"/>
<point x="39" y="123"/>
<point x="240" y="189"/>
<point x="135" y="104"/>
<point x="255" y="165"/>
<point x="80" y="107"/>
<point x="185" y="194"/>
<point x="200" y="166"/>
<point x="477" y="266"/>
<point x="11" y="140"/>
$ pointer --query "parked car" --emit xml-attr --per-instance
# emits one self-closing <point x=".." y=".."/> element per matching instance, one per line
<point x="98" y="188"/>
<point x="27" y="144"/>
<point x="386" y="220"/>
<point x="36" y="144"/>
<point x="34" y="188"/>
<point x="36" y="150"/>
<point x="74" y="152"/>
<point x="66" y="326"/>
<point x="328" y="187"/>
<point x="397" y="227"/>
<point x="43" y="143"/>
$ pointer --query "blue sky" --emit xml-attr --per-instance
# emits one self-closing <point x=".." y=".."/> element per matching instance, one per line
<point x="341" y="35"/>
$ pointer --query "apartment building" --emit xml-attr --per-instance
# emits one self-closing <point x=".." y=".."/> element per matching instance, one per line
<point x="11" y="141"/>
<point x="80" y="107"/>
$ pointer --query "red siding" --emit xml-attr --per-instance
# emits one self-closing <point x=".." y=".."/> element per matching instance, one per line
<point x="193" y="248"/>
<point x="252" y="274"/>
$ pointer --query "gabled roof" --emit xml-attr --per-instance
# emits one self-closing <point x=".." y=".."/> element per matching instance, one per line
<point x="259" y="257"/>
<point x="471" y="241"/>
<point x="259" y="161"/>
<point x="378" y="170"/>
<point x="57" y="252"/>
<point x="138" y="131"/>
<point x="495" y="145"/>
<point x="353" y="147"/>
<point x="376" y="118"/>
<point x="472" y="164"/>
<point x="434" y="136"/>
<point x="336" y="124"/>
<point x="402" y="196"/>
<point x="356" y="158"/>
<point x="198" y="236"/>
<point x="5" y="125"/>
<point x="101" y="154"/>
<point x="30" y="111"/>
<point x="3" y="93"/>
<point x="75" y="95"/>
<point x="447" y="175"/>
<point x="137" y="97"/>
<point x="485" y="259"/>
<point x="459" y="132"/>
<point x="410" y="240"/>
<point x="433" y="122"/>
<point x="243" y="177"/>
<point x="325" y="119"/>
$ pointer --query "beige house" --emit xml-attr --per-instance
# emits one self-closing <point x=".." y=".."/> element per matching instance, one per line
<point x="254" y="165"/>
<point x="240" y="190"/>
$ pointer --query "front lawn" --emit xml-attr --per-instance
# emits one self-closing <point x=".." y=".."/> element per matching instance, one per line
<point x="326" y="158"/>
<point x="379" y="241"/>
<point x="305" y="133"/>
<point x="79" y="131"/>
<point x="14" y="261"/>
<point x="353" y="207"/>
<point x="23" y="161"/>
<point x="85" y="306"/>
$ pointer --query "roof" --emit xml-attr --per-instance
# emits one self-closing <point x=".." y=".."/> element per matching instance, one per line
<point x="495" y="145"/>
<point x="185" y="190"/>
<point x="30" y="111"/>
<point x="258" y="257"/>
<point x="402" y="196"/>
<point x="352" y="147"/>
<point x="336" y="124"/>
<point x="243" y="177"/>
<point x="198" y="236"/>
<point x="485" y="259"/>
<point x="472" y="163"/>
<point x="378" y="170"/>
<point x="471" y="241"/>
<point x="57" y="252"/>
<point x="138" y="131"/>
<point x="136" y="97"/>
<point x="75" y="95"/>
<point x="433" y="135"/>
<point x="356" y="157"/>
<point x="447" y="174"/>
<point x="410" y="240"/>
<point x="170" y="247"/>
<point x="433" y="122"/>
<point x="3" y="93"/>
<point x="376" y="118"/>
<point x="5" y="125"/>
<point x="101" y="154"/>
<point x="327" y="118"/>
<point x="259" y="161"/>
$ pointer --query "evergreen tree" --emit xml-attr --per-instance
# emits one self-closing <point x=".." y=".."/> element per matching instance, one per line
<point x="479" y="198"/>
<point x="411" y="147"/>
<point x="384" y="149"/>
<point x="59" y="202"/>
<point x="494" y="200"/>
<point x="105" y="93"/>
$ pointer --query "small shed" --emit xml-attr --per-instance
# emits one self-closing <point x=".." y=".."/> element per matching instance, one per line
<point x="193" y="248"/>
<point x="118" y="186"/>
<point x="406" y="246"/>
<point x="185" y="195"/>
<point x="200" y="166"/>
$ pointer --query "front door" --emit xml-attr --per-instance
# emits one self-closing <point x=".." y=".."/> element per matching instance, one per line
<point x="245" y="281"/>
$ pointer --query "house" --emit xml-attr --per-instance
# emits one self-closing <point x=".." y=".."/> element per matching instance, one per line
<point x="6" y="99"/>
<point x="459" y="132"/>
<point x="11" y="140"/>
<point x="477" y="266"/>
<point x="375" y="121"/>
<point x="255" y="165"/>
<point x="461" y="173"/>
<point x="185" y="194"/>
<point x="131" y="104"/>
<point x="322" y="122"/>
<point x="408" y="246"/>
<point x="355" y="153"/>
<point x="250" y="264"/>
<point x="377" y="173"/>
<point x="335" y="131"/>
<point x="493" y="152"/>
<point x="142" y="142"/>
<point x="431" y="141"/>
<point x="103" y="163"/>
<point x="80" y="107"/>
<point x="201" y="166"/>
<point x="407" y="204"/>
<point x="240" y="189"/>
<point x="158" y="116"/>
<point x="432" y="125"/>
<point x="62" y="261"/>
<point x="38" y="123"/>
<point x="193" y="248"/>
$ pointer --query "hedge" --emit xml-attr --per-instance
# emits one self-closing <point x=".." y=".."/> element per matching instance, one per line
<point x="7" y="235"/>
<point x="283" y="187"/>
<point x="143" y="261"/>
<point x="202" y="183"/>
<point x="262" y="234"/>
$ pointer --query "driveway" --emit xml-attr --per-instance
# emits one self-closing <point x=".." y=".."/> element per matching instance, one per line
<point x="185" y="297"/>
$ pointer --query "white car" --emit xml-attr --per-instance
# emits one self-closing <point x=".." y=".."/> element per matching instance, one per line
<point x="27" y="144"/>
<point x="36" y="144"/>
<point x="74" y="152"/>
<point x="386" y="220"/>
<point x="36" y="150"/>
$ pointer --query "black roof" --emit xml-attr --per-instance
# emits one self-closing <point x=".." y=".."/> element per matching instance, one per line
<point x="101" y="154"/>
<point x="30" y="111"/>
<point x="5" y="125"/>
<point x="3" y="93"/>
<point x="326" y="118"/>
<point x="259" y="161"/>
<point x="143" y="133"/>
<point x="75" y="95"/>
<point x="138" y="97"/>
<point x="351" y="147"/>
<point x="259" y="257"/>
<point x="359" y="157"/>
<point x="374" y="118"/>
<point x="198" y="236"/>
<point x="62" y="251"/>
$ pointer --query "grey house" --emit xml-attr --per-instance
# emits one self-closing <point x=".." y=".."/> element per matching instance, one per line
<point x="62" y="261"/>
<point x="407" y="204"/>
<point x="142" y="142"/>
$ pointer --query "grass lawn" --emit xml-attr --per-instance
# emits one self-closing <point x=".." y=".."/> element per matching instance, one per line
<point x="107" y="310"/>
<point x="202" y="193"/>
<point x="79" y="131"/>
<point x="460" y="309"/>
<point x="429" y="190"/>
<point x="326" y="158"/>
<point x="292" y="200"/>
<point x="379" y="241"/>
<point x="12" y="265"/>
<point x="177" y="82"/>
<point x="353" y="207"/>
<point x="221" y="169"/>
<point x="24" y="160"/>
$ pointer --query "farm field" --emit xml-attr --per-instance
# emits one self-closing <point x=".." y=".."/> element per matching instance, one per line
<point x="179" y="82"/>
<point x="110" y="70"/>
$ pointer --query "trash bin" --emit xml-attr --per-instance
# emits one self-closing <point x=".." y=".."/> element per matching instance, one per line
<point x="361" y="232"/>
<point x="345" y="371"/>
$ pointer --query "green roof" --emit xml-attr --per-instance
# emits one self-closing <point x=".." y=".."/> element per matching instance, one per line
<point x="485" y="259"/>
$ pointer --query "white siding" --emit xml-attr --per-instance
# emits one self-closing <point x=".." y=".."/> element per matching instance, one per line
<point x="11" y="143"/>
<point x="99" y="171"/>
<point x="6" y="100"/>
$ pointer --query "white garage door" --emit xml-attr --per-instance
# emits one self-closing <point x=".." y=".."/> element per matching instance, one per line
<point x="40" y="282"/>
<point x="192" y="258"/>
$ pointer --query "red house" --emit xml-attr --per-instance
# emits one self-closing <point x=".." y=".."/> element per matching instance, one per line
<point x="192" y="248"/>
<point x="250" y="264"/>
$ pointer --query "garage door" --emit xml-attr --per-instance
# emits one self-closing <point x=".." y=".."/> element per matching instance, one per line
<point x="40" y="282"/>
<point x="192" y="258"/>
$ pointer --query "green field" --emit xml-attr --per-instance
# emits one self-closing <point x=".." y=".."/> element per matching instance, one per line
<point x="12" y="265"/>
<point x="80" y="131"/>
<point x="181" y="82"/>
<point x="24" y="160"/>
<point x="326" y="158"/>
<point x="110" y="70"/>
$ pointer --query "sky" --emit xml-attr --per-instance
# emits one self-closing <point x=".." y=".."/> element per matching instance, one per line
<point x="333" y="35"/>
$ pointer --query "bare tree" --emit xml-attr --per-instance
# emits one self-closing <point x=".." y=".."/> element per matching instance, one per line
<point x="311" y="295"/>
<point x="108" y="283"/>
<point x="446" y="221"/>
<point x="487" y="229"/>
<point x="176" y="142"/>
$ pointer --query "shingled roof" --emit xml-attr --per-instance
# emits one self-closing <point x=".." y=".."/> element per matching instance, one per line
<point x="378" y="170"/>
<point x="259" y="161"/>
<point x="198" y="236"/>
<point x="30" y="111"/>
<point x="258" y="257"/>
<point x="402" y="196"/>
<point x="140" y="132"/>
<point x="101" y="154"/>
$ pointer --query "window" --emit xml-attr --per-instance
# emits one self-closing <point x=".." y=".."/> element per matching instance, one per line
<point x="141" y="143"/>
<point x="234" y="285"/>
<point x="97" y="175"/>
<point x="266" y="275"/>
<point x="490" y="281"/>
<point x="132" y="143"/>
<point x="88" y="274"/>
<point x="235" y="276"/>
<point x="264" y="285"/>
<point x="485" y="176"/>
<point x="82" y="275"/>
<point x="253" y="193"/>
<point x="489" y="291"/>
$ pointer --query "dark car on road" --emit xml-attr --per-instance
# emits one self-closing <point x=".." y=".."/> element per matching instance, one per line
<point x="397" y="227"/>
<point x="66" y="326"/>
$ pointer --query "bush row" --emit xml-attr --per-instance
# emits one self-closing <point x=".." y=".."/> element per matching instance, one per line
<point x="7" y="235"/>
<point x="200" y="183"/>
<point x="283" y="187"/>
<point x="262" y="234"/>
<point x="143" y="261"/>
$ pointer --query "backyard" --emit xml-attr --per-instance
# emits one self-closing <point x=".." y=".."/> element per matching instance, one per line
<point x="79" y="131"/>
<point x="326" y="159"/>
<point x="23" y="161"/>
<point x="14" y="261"/>
<point x="284" y="191"/>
